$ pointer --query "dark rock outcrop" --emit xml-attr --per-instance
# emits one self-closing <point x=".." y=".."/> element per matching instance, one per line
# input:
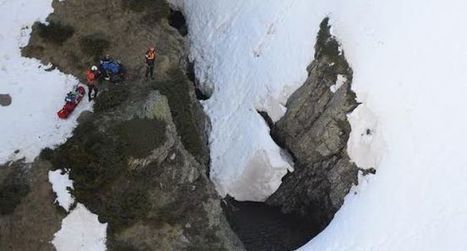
<point x="5" y="100"/>
<point x="262" y="227"/>
<point x="140" y="160"/>
<point x="28" y="216"/>
<point x="315" y="130"/>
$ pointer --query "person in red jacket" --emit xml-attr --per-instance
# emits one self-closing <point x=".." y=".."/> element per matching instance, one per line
<point x="92" y="77"/>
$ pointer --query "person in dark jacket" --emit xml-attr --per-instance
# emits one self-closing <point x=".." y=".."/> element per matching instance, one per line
<point x="150" y="59"/>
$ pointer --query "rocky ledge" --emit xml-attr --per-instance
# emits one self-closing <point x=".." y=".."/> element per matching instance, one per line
<point x="140" y="160"/>
<point x="315" y="130"/>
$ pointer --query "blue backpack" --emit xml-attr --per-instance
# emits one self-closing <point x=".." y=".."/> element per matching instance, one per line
<point x="110" y="66"/>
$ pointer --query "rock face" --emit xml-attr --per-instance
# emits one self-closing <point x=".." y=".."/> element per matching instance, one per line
<point x="140" y="160"/>
<point x="28" y="216"/>
<point x="315" y="131"/>
<point x="130" y="167"/>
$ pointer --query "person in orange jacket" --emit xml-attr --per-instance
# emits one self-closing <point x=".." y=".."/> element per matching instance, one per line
<point x="150" y="60"/>
<point x="92" y="76"/>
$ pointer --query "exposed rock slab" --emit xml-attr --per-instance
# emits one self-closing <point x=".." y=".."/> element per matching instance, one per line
<point x="315" y="131"/>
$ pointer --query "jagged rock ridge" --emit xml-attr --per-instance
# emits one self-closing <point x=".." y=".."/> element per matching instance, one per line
<point x="315" y="130"/>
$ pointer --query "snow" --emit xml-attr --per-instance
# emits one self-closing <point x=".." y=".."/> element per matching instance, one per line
<point x="242" y="50"/>
<point x="81" y="230"/>
<point x="60" y="185"/>
<point x="366" y="144"/>
<point x="30" y="123"/>
<point x="341" y="79"/>
<point x="409" y="61"/>
<point x="411" y="75"/>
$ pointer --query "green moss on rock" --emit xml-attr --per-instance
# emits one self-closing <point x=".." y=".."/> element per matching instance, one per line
<point x="94" y="45"/>
<point x="152" y="10"/>
<point x="176" y="89"/>
<point x="55" y="32"/>
<point x="111" y="98"/>
<point x="140" y="136"/>
<point x="12" y="190"/>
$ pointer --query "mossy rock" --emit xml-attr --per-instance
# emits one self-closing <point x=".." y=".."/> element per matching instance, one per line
<point x="160" y="7"/>
<point x="98" y="159"/>
<point x="113" y="97"/>
<point x="13" y="189"/>
<point x="153" y="10"/>
<point x="177" y="90"/>
<point x="54" y="32"/>
<point x="328" y="47"/>
<point x="94" y="158"/>
<point x="94" y="45"/>
<point x="141" y="136"/>
<point x="326" y="44"/>
<point x="161" y="109"/>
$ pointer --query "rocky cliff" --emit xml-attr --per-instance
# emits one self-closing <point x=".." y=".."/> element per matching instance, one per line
<point x="315" y="130"/>
<point x="140" y="160"/>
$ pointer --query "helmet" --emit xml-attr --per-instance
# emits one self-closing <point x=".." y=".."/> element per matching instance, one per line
<point x="94" y="68"/>
<point x="152" y="49"/>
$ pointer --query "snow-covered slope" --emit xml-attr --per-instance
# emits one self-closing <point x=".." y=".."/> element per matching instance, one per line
<point x="409" y="59"/>
<point x="409" y="69"/>
<point x="242" y="51"/>
<point x="30" y="123"/>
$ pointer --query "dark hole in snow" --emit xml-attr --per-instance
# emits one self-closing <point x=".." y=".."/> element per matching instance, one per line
<point x="177" y="20"/>
<point x="263" y="227"/>
<point x="5" y="100"/>
<point x="190" y="73"/>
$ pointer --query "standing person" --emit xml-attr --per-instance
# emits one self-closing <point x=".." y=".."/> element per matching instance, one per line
<point x="150" y="59"/>
<point x="91" y="77"/>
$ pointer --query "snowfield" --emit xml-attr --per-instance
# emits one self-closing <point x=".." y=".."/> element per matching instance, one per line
<point x="30" y="123"/>
<point x="409" y="60"/>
